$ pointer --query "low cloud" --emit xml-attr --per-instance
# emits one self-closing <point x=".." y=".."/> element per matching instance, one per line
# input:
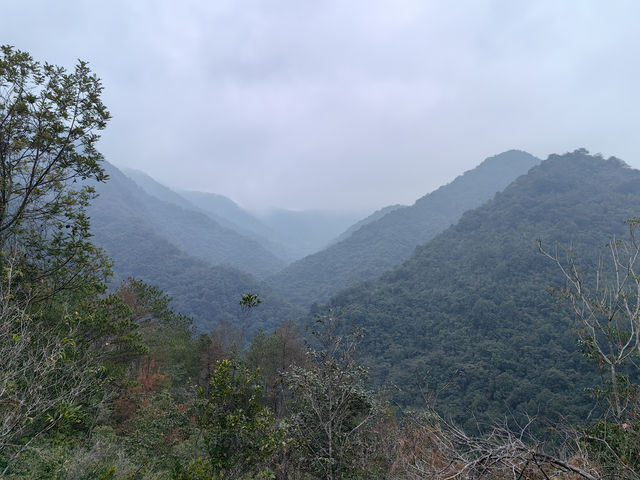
<point x="340" y="104"/>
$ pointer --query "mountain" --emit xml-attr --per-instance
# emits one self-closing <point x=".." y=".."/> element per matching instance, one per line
<point x="124" y="227"/>
<point x="192" y="231"/>
<point x="156" y="189"/>
<point x="473" y="306"/>
<point x="230" y="214"/>
<point x="384" y="243"/>
<point x="308" y="230"/>
<point x="225" y="208"/>
<point x="220" y="209"/>
<point x="378" y="214"/>
<point x="287" y="234"/>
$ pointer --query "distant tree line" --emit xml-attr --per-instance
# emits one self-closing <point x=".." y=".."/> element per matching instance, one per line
<point x="115" y="385"/>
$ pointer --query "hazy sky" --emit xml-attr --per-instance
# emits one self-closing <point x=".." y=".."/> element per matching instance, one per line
<point x="343" y="103"/>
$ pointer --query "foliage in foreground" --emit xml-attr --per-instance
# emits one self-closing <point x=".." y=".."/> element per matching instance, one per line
<point x="116" y="386"/>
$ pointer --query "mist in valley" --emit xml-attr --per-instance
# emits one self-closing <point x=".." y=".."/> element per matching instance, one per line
<point x="319" y="240"/>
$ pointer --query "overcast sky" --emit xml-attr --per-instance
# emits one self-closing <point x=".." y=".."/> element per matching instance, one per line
<point x="352" y="104"/>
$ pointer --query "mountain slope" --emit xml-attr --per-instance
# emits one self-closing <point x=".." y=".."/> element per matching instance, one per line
<point x="220" y="209"/>
<point x="309" y="230"/>
<point x="156" y="189"/>
<point x="229" y="214"/>
<point x="384" y="243"/>
<point x="377" y="215"/>
<point x="289" y="234"/>
<point x="225" y="208"/>
<point x="192" y="231"/>
<point x="139" y="249"/>
<point x="472" y="306"/>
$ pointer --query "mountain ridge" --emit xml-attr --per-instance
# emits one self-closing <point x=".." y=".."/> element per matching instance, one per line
<point x="207" y="293"/>
<point x="192" y="231"/>
<point x="384" y="243"/>
<point x="472" y="306"/>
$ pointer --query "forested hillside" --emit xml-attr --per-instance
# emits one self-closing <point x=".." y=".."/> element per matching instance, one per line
<point x="209" y="293"/>
<point x="511" y="312"/>
<point x="308" y="231"/>
<point x="287" y="234"/>
<point x="191" y="231"/>
<point x="378" y="214"/>
<point x="473" y="308"/>
<point x="384" y="243"/>
<point x="156" y="189"/>
<point x="228" y="213"/>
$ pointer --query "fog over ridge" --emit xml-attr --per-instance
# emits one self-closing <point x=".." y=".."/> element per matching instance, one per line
<point x="352" y="105"/>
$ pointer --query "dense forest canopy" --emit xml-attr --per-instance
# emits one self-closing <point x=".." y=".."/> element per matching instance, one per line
<point x="112" y="383"/>
<point x="201" y="282"/>
<point x="385" y="242"/>
<point x="473" y="306"/>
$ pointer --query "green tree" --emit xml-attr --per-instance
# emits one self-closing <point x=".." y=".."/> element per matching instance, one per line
<point x="62" y="340"/>
<point x="169" y="336"/>
<point x="49" y="124"/>
<point x="274" y="355"/>
<point x="240" y="434"/>
<point x="333" y="415"/>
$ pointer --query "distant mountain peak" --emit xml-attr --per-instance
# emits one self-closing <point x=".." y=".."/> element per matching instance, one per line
<point x="472" y="305"/>
<point x="385" y="242"/>
<point x="178" y="221"/>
